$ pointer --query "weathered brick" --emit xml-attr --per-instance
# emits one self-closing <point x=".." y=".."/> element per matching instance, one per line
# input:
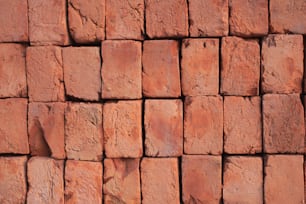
<point x="122" y="129"/>
<point x="163" y="121"/>
<point x="161" y="73"/>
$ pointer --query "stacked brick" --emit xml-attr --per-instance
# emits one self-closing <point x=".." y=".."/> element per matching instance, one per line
<point x="150" y="101"/>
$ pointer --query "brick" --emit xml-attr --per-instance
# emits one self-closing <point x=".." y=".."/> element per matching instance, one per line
<point x="46" y="129"/>
<point x="208" y="18"/>
<point x="242" y="125"/>
<point x="47" y="22"/>
<point x="203" y="125"/>
<point x="166" y="18"/>
<point x="243" y="180"/>
<point x="13" y="180"/>
<point x="82" y="72"/>
<point x="284" y="179"/>
<point x="282" y="72"/>
<point x="159" y="180"/>
<point x="283" y="123"/>
<point x="45" y="180"/>
<point x="122" y="129"/>
<point x="83" y="182"/>
<point x="287" y="16"/>
<point x="163" y="123"/>
<point x="201" y="179"/>
<point x="125" y="19"/>
<point x="200" y="67"/>
<point x="13" y="128"/>
<point x="45" y="74"/>
<point x="240" y="69"/>
<point x="122" y="181"/>
<point x="121" y="69"/>
<point x="86" y="20"/>
<point x="13" y="21"/>
<point x="249" y="18"/>
<point x="83" y="131"/>
<point x="13" y="70"/>
<point x="161" y="72"/>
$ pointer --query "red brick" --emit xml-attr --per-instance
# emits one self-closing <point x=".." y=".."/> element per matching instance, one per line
<point x="166" y="18"/>
<point x="122" y="129"/>
<point x="283" y="123"/>
<point x="163" y="123"/>
<point x="86" y="20"/>
<point x="13" y="70"/>
<point x="45" y="74"/>
<point x="201" y="179"/>
<point x="83" y="182"/>
<point x="82" y="72"/>
<point x="122" y="181"/>
<point x="282" y="72"/>
<point x="208" y="18"/>
<point x="240" y="69"/>
<point x="13" y="126"/>
<point x="200" y="67"/>
<point x="46" y="129"/>
<point x="121" y="69"/>
<point x="249" y="18"/>
<point x="242" y="125"/>
<point x="13" y="21"/>
<point x="243" y="180"/>
<point x="124" y="19"/>
<point x="83" y="131"/>
<point x="161" y="73"/>
<point x="284" y="179"/>
<point x="159" y="180"/>
<point x="13" y="180"/>
<point x="203" y="125"/>
<point x="288" y="16"/>
<point x="45" y="180"/>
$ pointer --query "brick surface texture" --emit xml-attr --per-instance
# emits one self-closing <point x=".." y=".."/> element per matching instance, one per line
<point x="152" y="101"/>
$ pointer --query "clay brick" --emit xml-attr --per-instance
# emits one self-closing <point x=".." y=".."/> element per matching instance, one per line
<point x="243" y="180"/>
<point x="201" y="179"/>
<point x="284" y="179"/>
<point x="283" y="123"/>
<point x="122" y="181"/>
<point x="203" y="125"/>
<point x="161" y="73"/>
<point x="124" y="19"/>
<point x="13" y="21"/>
<point x="83" y="131"/>
<point x="166" y="18"/>
<point x="288" y="16"/>
<point x="282" y="72"/>
<point x="240" y="69"/>
<point x="45" y="180"/>
<point x="46" y="129"/>
<point x="13" y="128"/>
<point x="45" y="74"/>
<point x="13" y="70"/>
<point x="242" y="125"/>
<point x="83" y="182"/>
<point x="82" y="72"/>
<point x="208" y="18"/>
<point x="249" y="18"/>
<point x="121" y="69"/>
<point x="47" y="22"/>
<point x="13" y="180"/>
<point x="200" y="67"/>
<point x="122" y="129"/>
<point x="163" y="121"/>
<point x="86" y="20"/>
<point x="159" y="180"/>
